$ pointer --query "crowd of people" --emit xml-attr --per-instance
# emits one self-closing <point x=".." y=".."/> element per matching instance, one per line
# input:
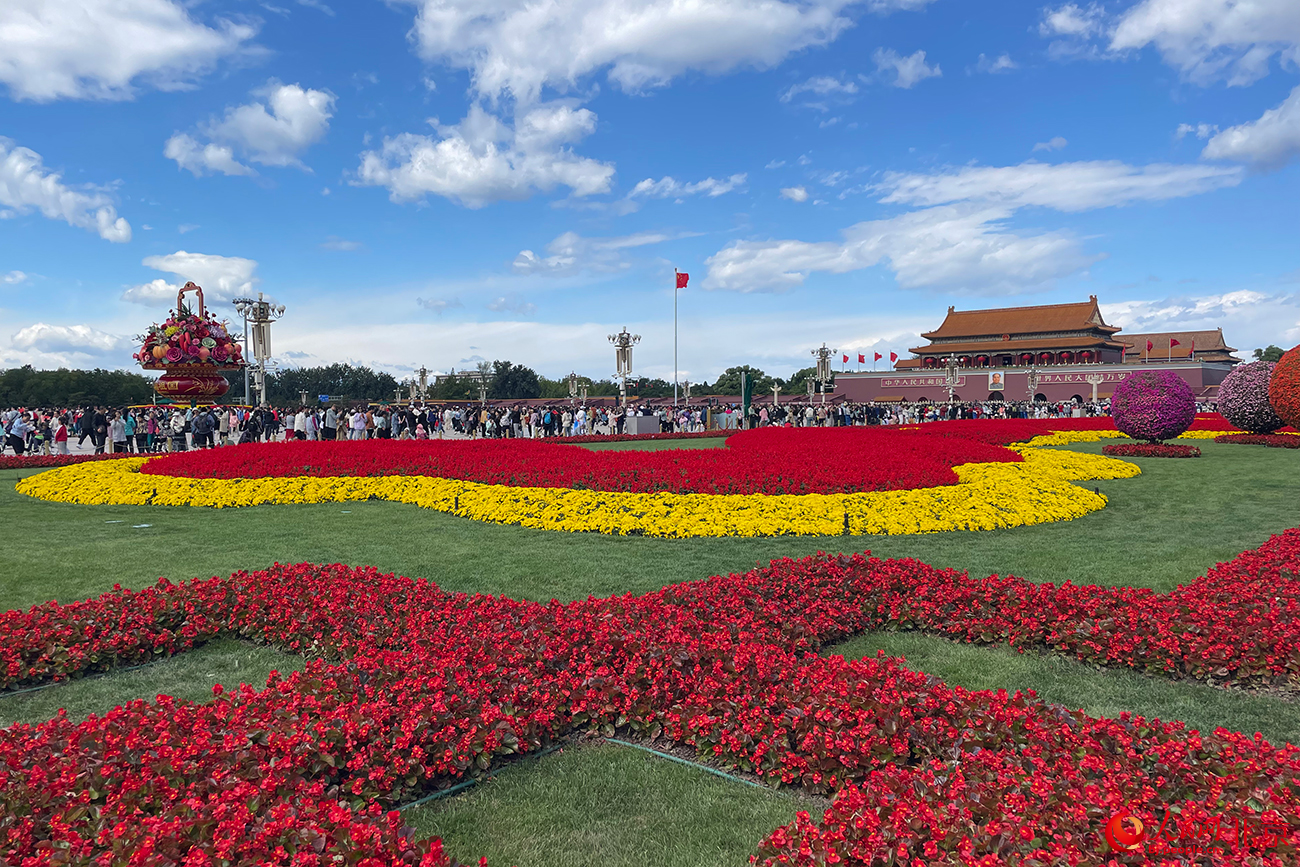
<point x="153" y="429"/>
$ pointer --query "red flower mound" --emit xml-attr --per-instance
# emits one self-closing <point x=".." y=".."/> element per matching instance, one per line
<point x="1271" y="440"/>
<point x="417" y="688"/>
<point x="1284" y="388"/>
<point x="764" y="461"/>
<point x="28" y="462"/>
<point x="1151" y="450"/>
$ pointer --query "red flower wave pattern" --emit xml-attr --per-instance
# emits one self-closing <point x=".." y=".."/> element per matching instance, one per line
<point x="416" y="688"/>
<point x="765" y="461"/>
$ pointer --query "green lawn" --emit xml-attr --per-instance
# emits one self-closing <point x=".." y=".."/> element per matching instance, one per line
<point x="604" y="805"/>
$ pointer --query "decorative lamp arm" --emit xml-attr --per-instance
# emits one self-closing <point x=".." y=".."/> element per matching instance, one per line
<point x="191" y="287"/>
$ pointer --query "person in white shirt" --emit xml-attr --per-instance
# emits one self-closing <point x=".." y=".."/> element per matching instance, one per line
<point x="358" y="425"/>
<point x="300" y="425"/>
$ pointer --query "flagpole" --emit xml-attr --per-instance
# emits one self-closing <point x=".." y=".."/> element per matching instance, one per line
<point x="675" y="281"/>
<point x="1170" y="359"/>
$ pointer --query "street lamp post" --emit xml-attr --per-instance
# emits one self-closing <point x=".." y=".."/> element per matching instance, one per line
<point x="623" y="343"/>
<point x="302" y="397"/>
<point x="823" y="356"/>
<point x="776" y="396"/>
<point x="424" y="383"/>
<point x="259" y="314"/>
<point x="950" y="377"/>
<point x="1032" y="380"/>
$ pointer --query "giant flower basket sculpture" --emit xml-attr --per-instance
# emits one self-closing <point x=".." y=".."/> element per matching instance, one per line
<point x="193" y="348"/>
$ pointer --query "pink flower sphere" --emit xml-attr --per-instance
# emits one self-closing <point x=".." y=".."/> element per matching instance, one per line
<point x="1243" y="398"/>
<point x="1153" y="405"/>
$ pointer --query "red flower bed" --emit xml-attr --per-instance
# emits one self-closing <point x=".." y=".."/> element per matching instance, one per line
<point x="1277" y="441"/>
<point x="1151" y="450"/>
<point x="625" y="438"/>
<point x="28" y="462"/>
<point x="416" y="688"/>
<point x="765" y="461"/>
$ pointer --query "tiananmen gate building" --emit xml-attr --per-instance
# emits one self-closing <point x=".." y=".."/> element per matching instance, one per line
<point x="1075" y="354"/>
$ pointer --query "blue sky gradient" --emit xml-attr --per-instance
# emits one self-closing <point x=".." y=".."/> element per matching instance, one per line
<point x="437" y="183"/>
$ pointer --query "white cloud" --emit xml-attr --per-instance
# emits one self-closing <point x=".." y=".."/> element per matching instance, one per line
<point x="1208" y="40"/>
<point x="1073" y="20"/>
<point x="1201" y="130"/>
<point x="222" y="277"/>
<point x="77" y="339"/>
<point x="1265" y="144"/>
<point x="481" y="160"/>
<point x="439" y="305"/>
<point x="13" y="277"/>
<point x="1205" y="40"/>
<point x="905" y="71"/>
<point x="958" y="248"/>
<point x="183" y="228"/>
<point x="570" y="253"/>
<point x="25" y="184"/>
<point x="203" y="159"/>
<point x="1248" y="318"/>
<point x="512" y="304"/>
<point x="822" y="85"/>
<point x="271" y="132"/>
<point x="671" y="188"/>
<point x="994" y="65"/>
<point x="774" y="164"/>
<point x="340" y="245"/>
<point x="100" y="49"/>
<point x="960" y="240"/>
<point x="1077" y="186"/>
<point x="1053" y="144"/>
<point x="518" y="47"/>
<point x="794" y="194"/>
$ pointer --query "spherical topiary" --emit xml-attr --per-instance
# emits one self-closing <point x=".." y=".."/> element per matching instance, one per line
<point x="1153" y="405"/>
<point x="1284" y="388"/>
<point x="1243" y="398"/>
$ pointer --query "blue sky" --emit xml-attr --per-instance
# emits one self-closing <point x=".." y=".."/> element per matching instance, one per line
<point x="440" y="182"/>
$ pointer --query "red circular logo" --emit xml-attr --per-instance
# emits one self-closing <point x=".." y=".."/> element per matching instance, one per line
<point x="1124" y="832"/>
<point x="1006" y="337"/>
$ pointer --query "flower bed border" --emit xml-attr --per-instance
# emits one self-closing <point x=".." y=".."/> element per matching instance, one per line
<point x="1150" y="450"/>
<point x="1276" y="441"/>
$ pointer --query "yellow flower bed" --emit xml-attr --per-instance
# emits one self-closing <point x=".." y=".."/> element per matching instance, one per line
<point x="989" y="496"/>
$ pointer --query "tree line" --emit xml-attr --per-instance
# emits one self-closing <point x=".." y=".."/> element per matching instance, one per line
<point x="25" y="386"/>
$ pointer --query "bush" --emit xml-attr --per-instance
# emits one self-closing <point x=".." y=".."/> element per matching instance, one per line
<point x="1284" y="388"/>
<point x="1151" y="450"/>
<point x="1153" y="405"/>
<point x="1243" y="398"/>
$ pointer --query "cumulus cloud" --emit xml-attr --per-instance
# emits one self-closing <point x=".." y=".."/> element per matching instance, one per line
<point x="570" y="253"/>
<point x="76" y="339"/>
<point x="994" y="65"/>
<point x="482" y="160"/>
<point x="515" y="47"/>
<point x="222" y="277"/>
<point x="903" y="71"/>
<point x="1055" y="143"/>
<point x="439" y="305"/>
<point x="1265" y="144"/>
<point x="960" y="238"/>
<point x="340" y="245"/>
<point x="1200" y="130"/>
<point x="274" y="131"/>
<point x="1205" y="40"/>
<point x="794" y="194"/>
<point x="13" y="277"/>
<point x="26" y="185"/>
<point x="1249" y="318"/>
<point x="101" y="49"/>
<point x="671" y="188"/>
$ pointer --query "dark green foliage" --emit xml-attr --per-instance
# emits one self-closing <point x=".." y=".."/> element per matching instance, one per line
<point x="1270" y="353"/>
<point x="729" y="381"/>
<point x="340" y="381"/>
<point x="26" y="386"/>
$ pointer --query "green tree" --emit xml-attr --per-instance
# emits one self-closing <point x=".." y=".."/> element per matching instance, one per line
<point x="797" y="383"/>
<point x="26" y="386"/>
<point x="513" y="381"/>
<point x="1270" y="353"/>
<point x="729" y="381"/>
<point x="341" y="381"/>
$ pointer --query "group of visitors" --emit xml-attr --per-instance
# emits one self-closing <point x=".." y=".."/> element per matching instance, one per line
<point x="152" y="429"/>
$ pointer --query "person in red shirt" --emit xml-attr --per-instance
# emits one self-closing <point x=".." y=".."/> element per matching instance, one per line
<point x="61" y="436"/>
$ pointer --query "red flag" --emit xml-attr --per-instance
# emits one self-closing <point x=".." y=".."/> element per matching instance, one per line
<point x="682" y="277"/>
<point x="1173" y="343"/>
<point x="846" y="359"/>
<point x="1191" y="353"/>
<point x="862" y="359"/>
<point x="893" y="356"/>
<point x="1150" y="346"/>
<point x="878" y="357"/>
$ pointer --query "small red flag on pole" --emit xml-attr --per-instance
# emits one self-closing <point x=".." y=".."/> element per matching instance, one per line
<point x="878" y="356"/>
<point x="893" y="357"/>
<point x="862" y="359"/>
<point x="1172" y="344"/>
<point x="682" y="277"/>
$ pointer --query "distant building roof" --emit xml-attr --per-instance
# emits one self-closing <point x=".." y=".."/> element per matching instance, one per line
<point x="974" y="324"/>
<point x="1209" y="345"/>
